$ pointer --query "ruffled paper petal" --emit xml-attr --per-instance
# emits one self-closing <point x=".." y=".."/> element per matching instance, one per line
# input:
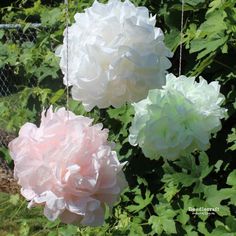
<point x="65" y="164"/>
<point x="116" y="54"/>
<point x="178" y="118"/>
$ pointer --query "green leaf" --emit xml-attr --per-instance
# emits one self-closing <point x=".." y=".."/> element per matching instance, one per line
<point x="24" y="229"/>
<point x="190" y="230"/>
<point x="156" y="223"/>
<point x="221" y="230"/>
<point x="172" y="39"/>
<point x="14" y="199"/>
<point x="178" y="7"/>
<point x="203" y="64"/>
<point x="53" y="233"/>
<point x="232" y="139"/>
<point x="215" y="4"/>
<point x="51" y="17"/>
<point x="206" y="46"/>
<point x="27" y="25"/>
<point x="185" y="179"/>
<point x="214" y="198"/>
<point x="52" y="224"/>
<point x="211" y="34"/>
<point x="218" y="165"/>
<point x="202" y="228"/>
<point x="187" y="163"/>
<point x="162" y="223"/>
<point x="231" y="223"/>
<point x="183" y="217"/>
<point x="190" y="174"/>
<point x="1" y="34"/>
<point x="194" y="2"/>
<point x="135" y="229"/>
<point x="169" y="226"/>
<point x="231" y="180"/>
<point x="140" y="202"/>
<point x="123" y="114"/>
<point x="170" y="191"/>
<point x="69" y="230"/>
<point x="204" y="165"/>
<point x="59" y="93"/>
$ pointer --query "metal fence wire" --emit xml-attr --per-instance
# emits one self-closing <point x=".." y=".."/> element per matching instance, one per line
<point x="13" y="34"/>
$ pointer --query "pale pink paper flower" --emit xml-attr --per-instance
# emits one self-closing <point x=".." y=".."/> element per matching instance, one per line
<point x="68" y="166"/>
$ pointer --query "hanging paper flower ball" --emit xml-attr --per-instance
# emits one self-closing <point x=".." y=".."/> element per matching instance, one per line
<point x="116" y="54"/>
<point x="177" y="119"/>
<point x="68" y="166"/>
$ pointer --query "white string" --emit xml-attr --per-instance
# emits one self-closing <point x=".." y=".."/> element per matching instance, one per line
<point x="181" y="38"/>
<point x="67" y="56"/>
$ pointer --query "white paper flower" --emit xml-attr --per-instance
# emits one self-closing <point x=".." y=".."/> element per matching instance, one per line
<point x="68" y="166"/>
<point x="177" y="119"/>
<point x="116" y="54"/>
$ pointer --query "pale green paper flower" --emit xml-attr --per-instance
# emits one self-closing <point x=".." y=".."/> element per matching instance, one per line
<point x="178" y="118"/>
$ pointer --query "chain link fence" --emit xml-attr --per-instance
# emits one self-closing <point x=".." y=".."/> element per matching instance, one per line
<point x="13" y="36"/>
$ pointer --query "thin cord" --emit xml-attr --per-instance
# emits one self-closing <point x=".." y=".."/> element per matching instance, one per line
<point x="67" y="56"/>
<point x="181" y="38"/>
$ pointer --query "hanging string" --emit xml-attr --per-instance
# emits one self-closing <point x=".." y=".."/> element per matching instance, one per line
<point x="67" y="56"/>
<point x="181" y="38"/>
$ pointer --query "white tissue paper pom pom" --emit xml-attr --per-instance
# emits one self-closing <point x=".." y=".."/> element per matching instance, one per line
<point x="116" y="54"/>
<point x="178" y="118"/>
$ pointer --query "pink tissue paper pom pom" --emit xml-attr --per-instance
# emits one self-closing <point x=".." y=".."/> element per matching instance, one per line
<point x="68" y="166"/>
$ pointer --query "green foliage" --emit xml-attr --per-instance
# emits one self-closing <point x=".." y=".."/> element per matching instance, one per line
<point x="140" y="202"/>
<point x="17" y="219"/>
<point x="160" y="195"/>
<point x="164" y="218"/>
<point x="232" y="139"/>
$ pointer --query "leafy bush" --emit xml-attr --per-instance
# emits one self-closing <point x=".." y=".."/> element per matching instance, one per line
<point x="160" y="194"/>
